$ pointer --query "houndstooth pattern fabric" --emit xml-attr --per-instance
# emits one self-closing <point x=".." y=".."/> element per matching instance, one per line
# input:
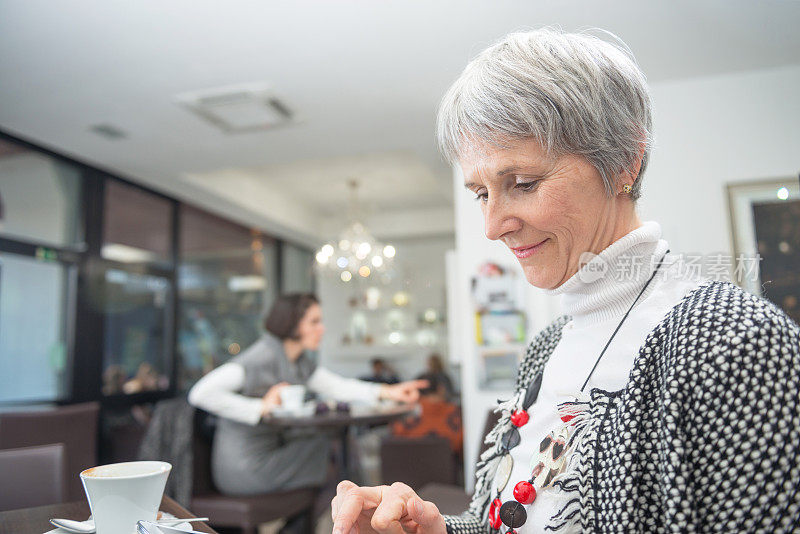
<point x="705" y="437"/>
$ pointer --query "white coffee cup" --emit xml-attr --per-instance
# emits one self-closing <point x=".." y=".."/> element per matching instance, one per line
<point x="124" y="493"/>
<point x="292" y="397"/>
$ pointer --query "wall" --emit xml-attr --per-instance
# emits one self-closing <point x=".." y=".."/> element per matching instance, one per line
<point x="713" y="131"/>
<point x="421" y="272"/>
<point x="709" y="132"/>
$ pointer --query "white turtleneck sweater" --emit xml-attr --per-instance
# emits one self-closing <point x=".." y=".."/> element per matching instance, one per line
<point x="597" y="305"/>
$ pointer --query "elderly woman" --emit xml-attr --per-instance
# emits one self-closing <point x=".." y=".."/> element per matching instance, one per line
<point x="658" y="402"/>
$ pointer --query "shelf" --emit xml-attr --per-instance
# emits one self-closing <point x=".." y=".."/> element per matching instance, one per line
<point x="383" y="351"/>
<point x="506" y="347"/>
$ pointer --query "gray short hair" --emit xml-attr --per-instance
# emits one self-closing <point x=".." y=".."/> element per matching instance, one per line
<point x="573" y="92"/>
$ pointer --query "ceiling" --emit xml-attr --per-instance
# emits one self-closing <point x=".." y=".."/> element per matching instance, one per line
<point x="363" y="76"/>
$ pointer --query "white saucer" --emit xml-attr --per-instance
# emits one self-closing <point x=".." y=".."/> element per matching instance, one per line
<point x="187" y="527"/>
<point x="306" y="410"/>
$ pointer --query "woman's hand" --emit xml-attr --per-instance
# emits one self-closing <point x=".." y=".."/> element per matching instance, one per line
<point x="394" y="509"/>
<point x="404" y="391"/>
<point x="272" y="398"/>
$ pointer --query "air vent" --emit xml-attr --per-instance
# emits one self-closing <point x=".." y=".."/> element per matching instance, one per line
<point x="239" y="108"/>
<point x="108" y="131"/>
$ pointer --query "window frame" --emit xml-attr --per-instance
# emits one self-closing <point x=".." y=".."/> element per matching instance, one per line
<point x="86" y="266"/>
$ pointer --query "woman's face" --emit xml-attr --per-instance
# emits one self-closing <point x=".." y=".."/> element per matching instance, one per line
<point x="310" y="328"/>
<point x="547" y="210"/>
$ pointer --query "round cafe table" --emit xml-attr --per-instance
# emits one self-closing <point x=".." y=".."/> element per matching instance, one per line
<point x="341" y="424"/>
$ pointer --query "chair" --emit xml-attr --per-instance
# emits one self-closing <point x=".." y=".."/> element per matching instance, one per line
<point x="243" y="512"/>
<point x="417" y="461"/>
<point x="451" y="499"/>
<point x="75" y="426"/>
<point x="32" y="476"/>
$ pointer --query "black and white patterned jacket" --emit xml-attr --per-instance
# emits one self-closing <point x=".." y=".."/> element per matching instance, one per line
<point x="705" y="437"/>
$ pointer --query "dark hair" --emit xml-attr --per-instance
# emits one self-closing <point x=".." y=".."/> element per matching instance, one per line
<point x="286" y="313"/>
<point x="435" y="363"/>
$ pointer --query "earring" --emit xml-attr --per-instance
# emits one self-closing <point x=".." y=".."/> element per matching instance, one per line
<point x="627" y="188"/>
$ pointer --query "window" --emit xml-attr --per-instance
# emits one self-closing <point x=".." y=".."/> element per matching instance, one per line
<point x="97" y="288"/>
<point x="39" y="197"/>
<point x="135" y="348"/>
<point x="137" y="337"/>
<point x="40" y="220"/>
<point x="137" y="226"/>
<point x="33" y="347"/>
<point x="226" y="278"/>
<point x="297" y="269"/>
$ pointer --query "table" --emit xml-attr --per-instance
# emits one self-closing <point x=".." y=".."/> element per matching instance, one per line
<point x="37" y="520"/>
<point x="342" y="422"/>
<point x="373" y="416"/>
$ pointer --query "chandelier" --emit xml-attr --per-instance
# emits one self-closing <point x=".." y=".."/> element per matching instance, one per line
<point x="355" y="253"/>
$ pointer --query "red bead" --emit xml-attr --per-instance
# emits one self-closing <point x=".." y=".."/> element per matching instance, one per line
<point x="494" y="514"/>
<point x="519" y="418"/>
<point x="524" y="492"/>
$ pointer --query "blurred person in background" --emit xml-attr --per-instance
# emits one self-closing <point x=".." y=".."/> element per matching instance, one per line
<point x="249" y="457"/>
<point x="435" y="371"/>
<point x="437" y="417"/>
<point x="381" y="373"/>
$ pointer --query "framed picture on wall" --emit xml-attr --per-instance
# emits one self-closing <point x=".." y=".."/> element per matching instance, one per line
<point x="500" y="328"/>
<point x="765" y="229"/>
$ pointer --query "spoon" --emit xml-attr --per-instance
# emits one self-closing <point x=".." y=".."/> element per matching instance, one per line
<point x="87" y="527"/>
<point x="78" y="527"/>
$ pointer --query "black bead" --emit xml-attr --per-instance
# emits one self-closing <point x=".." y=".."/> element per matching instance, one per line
<point x="510" y="439"/>
<point x="533" y="392"/>
<point x="513" y="514"/>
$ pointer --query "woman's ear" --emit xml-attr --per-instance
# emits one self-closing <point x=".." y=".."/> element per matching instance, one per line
<point x="636" y="168"/>
<point x="629" y="176"/>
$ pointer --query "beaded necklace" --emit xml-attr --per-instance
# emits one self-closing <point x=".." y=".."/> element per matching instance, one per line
<point x="551" y="459"/>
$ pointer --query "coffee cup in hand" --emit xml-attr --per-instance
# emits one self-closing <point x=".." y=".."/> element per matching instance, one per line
<point x="124" y="493"/>
<point x="292" y="397"/>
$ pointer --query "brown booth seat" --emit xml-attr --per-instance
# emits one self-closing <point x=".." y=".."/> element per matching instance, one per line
<point x="75" y="426"/>
<point x="32" y="476"/>
<point x="423" y="465"/>
<point x="417" y="461"/>
<point x="449" y="499"/>
<point x="249" y="512"/>
<point x="245" y="512"/>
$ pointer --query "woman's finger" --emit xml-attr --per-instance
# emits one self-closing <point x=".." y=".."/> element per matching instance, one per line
<point x="341" y="489"/>
<point x="418" y="384"/>
<point x="426" y="515"/>
<point x="411" y="389"/>
<point x="351" y="504"/>
<point x="392" y="508"/>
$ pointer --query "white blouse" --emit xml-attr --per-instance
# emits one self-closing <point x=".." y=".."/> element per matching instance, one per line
<point x="597" y="306"/>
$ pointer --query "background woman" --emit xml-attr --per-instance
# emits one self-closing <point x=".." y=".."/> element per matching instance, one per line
<point x="659" y="401"/>
<point x="435" y="373"/>
<point x="252" y="458"/>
